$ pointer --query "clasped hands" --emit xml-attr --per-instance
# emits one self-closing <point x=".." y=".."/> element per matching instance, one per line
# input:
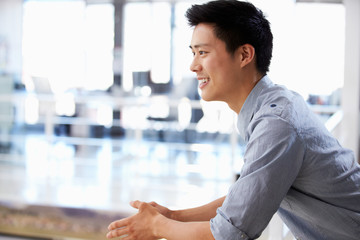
<point x="142" y="225"/>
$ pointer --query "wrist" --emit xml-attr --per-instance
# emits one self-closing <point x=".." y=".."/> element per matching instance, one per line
<point x="160" y="222"/>
<point x="173" y="214"/>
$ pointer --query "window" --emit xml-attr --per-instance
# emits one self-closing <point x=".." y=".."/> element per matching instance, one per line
<point x="309" y="45"/>
<point x="147" y="39"/>
<point x="69" y="43"/>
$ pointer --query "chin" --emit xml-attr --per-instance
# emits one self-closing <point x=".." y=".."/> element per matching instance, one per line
<point x="207" y="98"/>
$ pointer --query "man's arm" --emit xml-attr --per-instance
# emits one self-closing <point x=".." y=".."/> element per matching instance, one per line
<point x="202" y="213"/>
<point x="175" y="230"/>
<point x="154" y="221"/>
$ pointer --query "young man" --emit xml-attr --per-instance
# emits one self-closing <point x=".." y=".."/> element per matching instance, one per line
<point x="292" y="164"/>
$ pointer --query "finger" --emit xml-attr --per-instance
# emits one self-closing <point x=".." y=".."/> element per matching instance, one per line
<point x="154" y="204"/>
<point x="135" y="204"/>
<point x="117" y="233"/>
<point x="127" y="237"/>
<point x="118" y="224"/>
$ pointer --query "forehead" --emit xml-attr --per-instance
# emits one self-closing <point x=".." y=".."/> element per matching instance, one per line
<point x="203" y="35"/>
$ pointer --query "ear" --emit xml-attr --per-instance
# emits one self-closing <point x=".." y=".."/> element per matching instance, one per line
<point x="247" y="54"/>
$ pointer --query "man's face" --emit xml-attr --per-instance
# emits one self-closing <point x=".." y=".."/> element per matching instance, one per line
<point x="217" y="71"/>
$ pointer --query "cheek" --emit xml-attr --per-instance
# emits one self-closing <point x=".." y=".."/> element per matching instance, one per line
<point x="220" y="68"/>
<point x="223" y="73"/>
<point x="215" y="69"/>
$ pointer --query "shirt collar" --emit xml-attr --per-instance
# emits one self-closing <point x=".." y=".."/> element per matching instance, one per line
<point x="250" y="105"/>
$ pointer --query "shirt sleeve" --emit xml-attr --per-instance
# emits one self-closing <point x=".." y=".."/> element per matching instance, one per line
<point x="272" y="160"/>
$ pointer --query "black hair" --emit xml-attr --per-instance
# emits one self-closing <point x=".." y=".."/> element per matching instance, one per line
<point x="237" y="23"/>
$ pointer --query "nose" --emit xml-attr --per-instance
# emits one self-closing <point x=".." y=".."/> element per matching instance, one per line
<point x="195" y="66"/>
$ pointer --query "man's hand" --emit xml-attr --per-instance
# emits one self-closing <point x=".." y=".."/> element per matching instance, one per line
<point x="163" y="210"/>
<point x="139" y="226"/>
<point x="154" y="221"/>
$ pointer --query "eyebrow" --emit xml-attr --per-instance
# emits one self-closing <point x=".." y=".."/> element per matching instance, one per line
<point x="198" y="45"/>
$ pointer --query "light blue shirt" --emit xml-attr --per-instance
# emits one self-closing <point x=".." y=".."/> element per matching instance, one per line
<point x="293" y="166"/>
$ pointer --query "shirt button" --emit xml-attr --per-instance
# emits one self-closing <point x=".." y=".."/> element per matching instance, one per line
<point x="273" y="105"/>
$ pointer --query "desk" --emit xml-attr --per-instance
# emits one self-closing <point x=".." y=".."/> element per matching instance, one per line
<point x="135" y="113"/>
<point x="135" y="117"/>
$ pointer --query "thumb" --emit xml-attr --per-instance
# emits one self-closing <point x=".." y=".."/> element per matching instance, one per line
<point x="135" y="204"/>
<point x="154" y="204"/>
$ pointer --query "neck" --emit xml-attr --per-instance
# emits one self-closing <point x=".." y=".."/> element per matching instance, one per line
<point x="244" y="91"/>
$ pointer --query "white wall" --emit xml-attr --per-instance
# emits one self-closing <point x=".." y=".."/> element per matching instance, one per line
<point x="11" y="31"/>
<point x="350" y="95"/>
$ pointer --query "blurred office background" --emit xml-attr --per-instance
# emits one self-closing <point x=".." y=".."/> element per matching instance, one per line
<point x="98" y="107"/>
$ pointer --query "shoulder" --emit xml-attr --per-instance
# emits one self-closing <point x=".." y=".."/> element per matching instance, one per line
<point x="280" y="102"/>
<point x="282" y="112"/>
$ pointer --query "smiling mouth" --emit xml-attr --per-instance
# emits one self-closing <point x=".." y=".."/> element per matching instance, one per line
<point x="203" y="82"/>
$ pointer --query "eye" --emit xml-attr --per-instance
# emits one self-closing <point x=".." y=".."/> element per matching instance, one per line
<point x="200" y="53"/>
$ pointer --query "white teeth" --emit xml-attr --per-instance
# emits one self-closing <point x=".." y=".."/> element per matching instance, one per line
<point x="204" y="80"/>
